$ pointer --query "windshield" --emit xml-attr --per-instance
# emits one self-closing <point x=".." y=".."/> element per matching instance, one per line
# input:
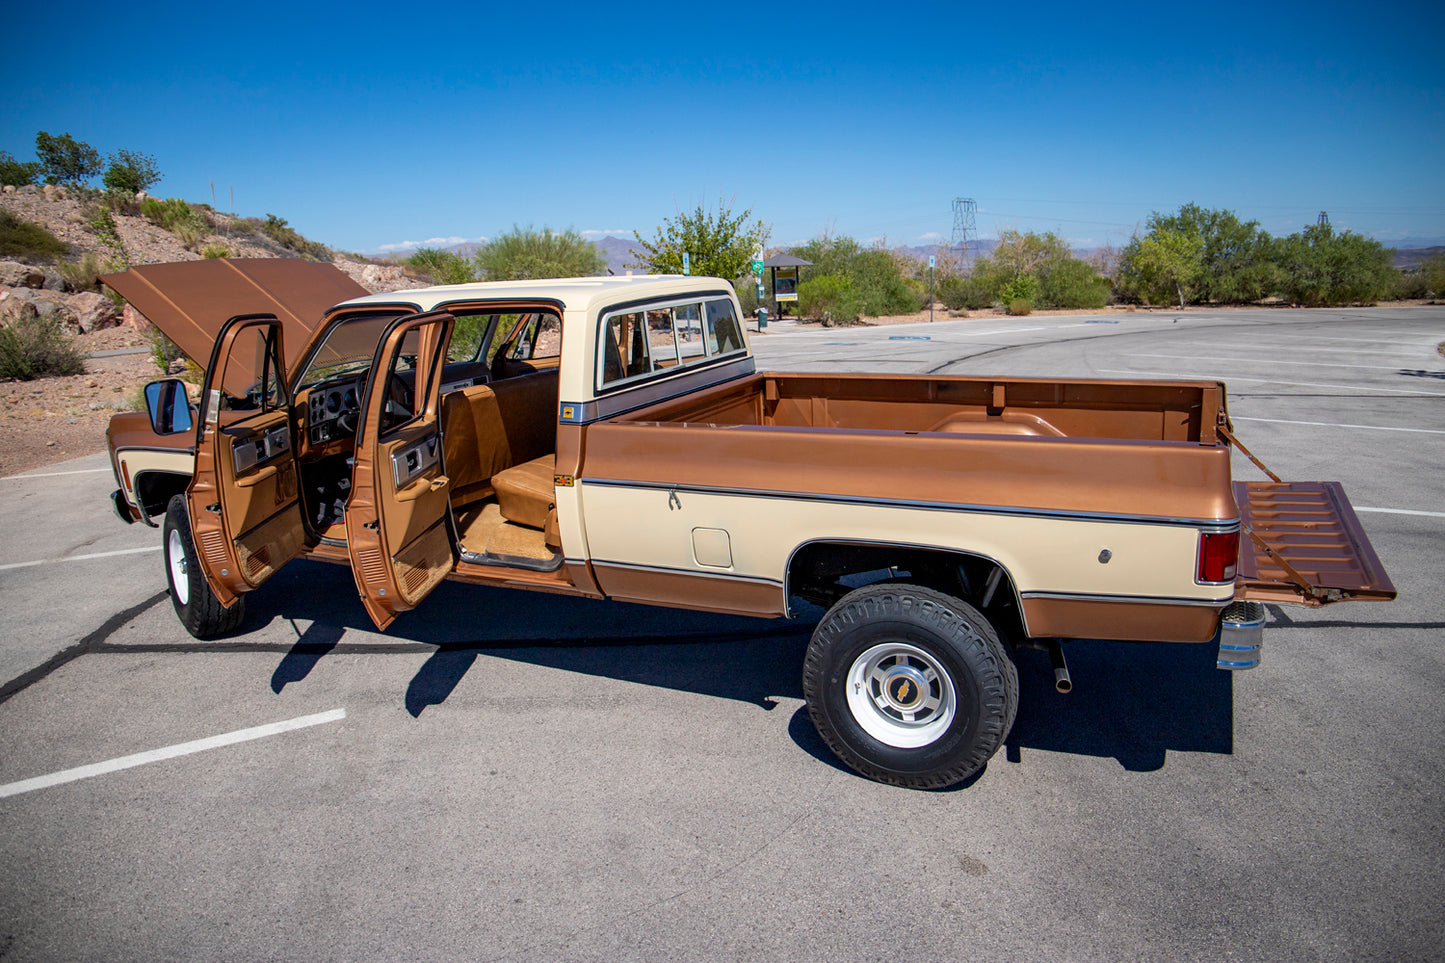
<point x="348" y="347"/>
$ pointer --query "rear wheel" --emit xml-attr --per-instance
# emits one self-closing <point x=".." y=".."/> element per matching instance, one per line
<point x="196" y="605"/>
<point x="909" y="686"/>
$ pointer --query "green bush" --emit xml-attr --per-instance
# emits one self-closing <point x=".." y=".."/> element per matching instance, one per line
<point x="1433" y="271"/>
<point x="23" y="239"/>
<point x="1072" y="283"/>
<point x="527" y="253"/>
<point x="1322" y="268"/>
<point x="747" y="291"/>
<point x="1025" y="287"/>
<point x="1409" y="286"/>
<point x="17" y="173"/>
<point x="876" y="275"/>
<point x="99" y="221"/>
<point x="131" y="172"/>
<point x="830" y="299"/>
<point x="33" y="348"/>
<point x="82" y="274"/>
<point x="1020" y="306"/>
<point x="964" y="294"/>
<point x="163" y="350"/>
<point x="283" y="234"/>
<point x="211" y="251"/>
<point x="65" y="160"/>
<point x="442" y="267"/>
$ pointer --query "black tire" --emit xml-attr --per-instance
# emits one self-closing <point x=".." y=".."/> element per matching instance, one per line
<point x="909" y="686"/>
<point x="196" y="605"/>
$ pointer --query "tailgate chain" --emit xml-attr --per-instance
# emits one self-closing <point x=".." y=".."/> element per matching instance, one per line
<point x="1224" y="430"/>
<point x="1309" y="590"/>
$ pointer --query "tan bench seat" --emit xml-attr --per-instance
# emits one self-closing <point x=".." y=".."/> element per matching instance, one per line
<point x="491" y="427"/>
<point x="525" y="493"/>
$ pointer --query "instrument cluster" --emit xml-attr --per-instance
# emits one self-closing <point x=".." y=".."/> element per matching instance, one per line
<point x="332" y="411"/>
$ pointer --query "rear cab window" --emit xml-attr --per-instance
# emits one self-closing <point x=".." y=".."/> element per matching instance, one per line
<point x="639" y="343"/>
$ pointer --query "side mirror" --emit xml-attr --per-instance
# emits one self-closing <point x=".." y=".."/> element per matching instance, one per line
<point x="168" y="406"/>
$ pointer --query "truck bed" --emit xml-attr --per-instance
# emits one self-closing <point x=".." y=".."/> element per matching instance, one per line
<point x="1129" y="449"/>
<point x="1117" y="410"/>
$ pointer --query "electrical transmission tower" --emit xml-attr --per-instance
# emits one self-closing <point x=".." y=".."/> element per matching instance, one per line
<point x="1324" y="220"/>
<point x="965" y="231"/>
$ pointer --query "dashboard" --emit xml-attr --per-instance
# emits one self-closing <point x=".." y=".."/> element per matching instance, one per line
<point x="332" y="410"/>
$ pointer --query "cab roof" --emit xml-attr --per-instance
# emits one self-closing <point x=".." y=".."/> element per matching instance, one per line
<point x="575" y="294"/>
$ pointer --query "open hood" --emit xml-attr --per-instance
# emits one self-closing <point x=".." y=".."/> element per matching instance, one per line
<point x="189" y="301"/>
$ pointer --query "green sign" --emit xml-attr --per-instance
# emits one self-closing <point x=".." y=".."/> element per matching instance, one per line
<point x="758" y="267"/>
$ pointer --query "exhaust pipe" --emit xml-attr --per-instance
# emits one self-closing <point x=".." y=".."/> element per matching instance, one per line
<point x="1062" y="682"/>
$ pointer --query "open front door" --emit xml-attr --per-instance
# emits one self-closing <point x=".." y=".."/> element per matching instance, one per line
<point x="245" y="512"/>
<point x="396" y="530"/>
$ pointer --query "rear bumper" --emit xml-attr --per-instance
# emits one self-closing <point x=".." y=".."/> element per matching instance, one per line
<point x="1241" y="636"/>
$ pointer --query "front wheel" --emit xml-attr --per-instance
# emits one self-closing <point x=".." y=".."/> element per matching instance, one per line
<point x="196" y="605"/>
<point x="909" y="686"/>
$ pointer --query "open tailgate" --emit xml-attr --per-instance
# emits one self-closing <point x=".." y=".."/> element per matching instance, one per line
<point x="1303" y="543"/>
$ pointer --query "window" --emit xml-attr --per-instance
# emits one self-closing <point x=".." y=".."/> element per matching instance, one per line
<point x="537" y="337"/>
<point x="724" y="334"/>
<point x="687" y="322"/>
<point x="639" y="343"/>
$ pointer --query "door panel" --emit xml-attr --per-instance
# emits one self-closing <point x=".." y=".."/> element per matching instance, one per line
<point x="243" y="499"/>
<point x="396" y="528"/>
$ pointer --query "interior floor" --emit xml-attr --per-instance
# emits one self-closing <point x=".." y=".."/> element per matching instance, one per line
<point x="483" y="531"/>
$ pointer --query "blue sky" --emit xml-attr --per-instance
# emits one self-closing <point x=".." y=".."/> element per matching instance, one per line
<point x="368" y="126"/>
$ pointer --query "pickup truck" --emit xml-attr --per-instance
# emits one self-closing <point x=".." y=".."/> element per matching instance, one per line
<point x="611" y="438"/>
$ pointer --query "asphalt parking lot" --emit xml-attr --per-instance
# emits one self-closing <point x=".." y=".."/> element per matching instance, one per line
<point x="505" y="775"/>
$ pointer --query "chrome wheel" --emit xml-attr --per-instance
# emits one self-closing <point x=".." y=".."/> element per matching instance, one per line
<point x="900" y="695"/>
<point x="176" y="561"/>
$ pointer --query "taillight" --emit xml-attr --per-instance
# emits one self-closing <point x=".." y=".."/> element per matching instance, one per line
<point x="1218" y="556"/>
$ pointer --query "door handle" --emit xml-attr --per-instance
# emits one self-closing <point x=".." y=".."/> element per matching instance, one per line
<point x="256" y="478"/>
<point x="414" y="491"/>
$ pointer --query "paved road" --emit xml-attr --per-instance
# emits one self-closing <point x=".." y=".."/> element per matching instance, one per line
<point x="580" y="780"/>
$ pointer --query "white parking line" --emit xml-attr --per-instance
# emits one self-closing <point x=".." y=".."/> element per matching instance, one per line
<point x="1274" y="381"/>
<point x="80" y="558"/>
<point x="1399" y="511"/>
<point x="1413" y="344"/>
<point x="1330" y="424"/>
<point x="169" y="752"/>
<point x="1302" y="364"/>
<point x="55" y="474"/>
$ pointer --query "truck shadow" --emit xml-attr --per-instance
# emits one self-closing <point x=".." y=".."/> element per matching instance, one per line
<point x="1131" y="702"/>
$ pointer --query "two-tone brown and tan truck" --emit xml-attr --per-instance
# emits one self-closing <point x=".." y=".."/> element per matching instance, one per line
<point x="611" y="438"/>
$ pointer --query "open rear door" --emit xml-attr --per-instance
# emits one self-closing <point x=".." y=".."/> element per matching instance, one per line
<point x="396" y="528"/>
<point x="1303" y="543"/>
<point x="245" y="511"/>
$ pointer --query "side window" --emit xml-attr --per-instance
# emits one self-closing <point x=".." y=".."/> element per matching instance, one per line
<point x="259" y="346"/>
<point x="400" y="385"/>
<point x="724" y="334"/>
<point x="625" y="350"/>
<point x="660" y="342"/>
<point x="687" y="321"/>
<point x="467" y="336"/>
<point x="539" y="339"/>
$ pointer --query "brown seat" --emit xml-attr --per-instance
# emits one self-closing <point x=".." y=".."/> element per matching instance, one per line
<point x="525" y="493"/>
<point x="491" y="427"/>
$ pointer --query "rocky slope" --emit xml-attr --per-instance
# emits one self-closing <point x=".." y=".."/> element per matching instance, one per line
<point x="52" y="419"/>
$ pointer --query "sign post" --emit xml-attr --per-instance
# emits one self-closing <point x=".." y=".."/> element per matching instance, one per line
<point x="758" y="281"/>
<point x="930" y="289"/>
<point x="686" y="263"/>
